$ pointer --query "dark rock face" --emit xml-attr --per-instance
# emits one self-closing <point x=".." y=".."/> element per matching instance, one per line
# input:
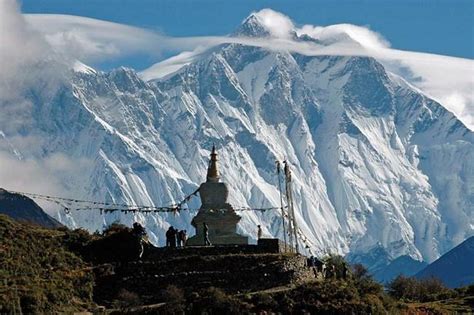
<point x="22" y="208"/>
<point x="455" y="268"/>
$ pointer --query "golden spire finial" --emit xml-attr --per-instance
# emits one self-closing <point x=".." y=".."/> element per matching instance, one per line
<point x="212" y="171"/>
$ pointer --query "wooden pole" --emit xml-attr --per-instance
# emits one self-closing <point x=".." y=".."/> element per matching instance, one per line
<point x="281" y="205"/>
<point x="291" y="208"/>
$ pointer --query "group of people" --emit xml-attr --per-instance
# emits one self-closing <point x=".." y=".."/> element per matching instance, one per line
<point x="315" y="264"/>
<point x="176" y="238"/>
<point x="327" y="271"/>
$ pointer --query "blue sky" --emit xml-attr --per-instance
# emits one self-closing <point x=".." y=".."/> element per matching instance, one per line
<point x="440" y="27"/>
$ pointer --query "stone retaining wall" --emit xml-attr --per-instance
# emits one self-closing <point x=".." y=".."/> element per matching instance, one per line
<point x="193" y="269"/>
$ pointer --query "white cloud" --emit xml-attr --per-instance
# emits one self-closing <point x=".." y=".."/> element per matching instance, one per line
<point x="279" y="25"/>
<point x="40" y="175"/>
<point x="90" y="39"/>
<point x="23" y="52"/>
<point x="27" y="63"/>
<point x="362" y="35"/>
<point x="171" y="65"/>
<point x="457" y="103"/>
<point x="28" y="66"/>
<point x="448" y="80"/>
<point x="25" y="167"/>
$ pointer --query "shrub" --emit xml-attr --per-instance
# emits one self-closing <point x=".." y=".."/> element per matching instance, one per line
<point x="412" y="289"/>
<point x="364" y="281"/>
<point x="402" y="287"/>
<point x="434" y="289"/>
<point x="470" y="290"/>
<point x="118" y="244"/>
<point x="116" y="228"/>
<point x="215" y="301"/>
<point x="175" y="301"/>
<point x="76" y="240"/>
<point x="126" y="299"/>
<point x="340" y="266"/>
<point x="264" y="302"/>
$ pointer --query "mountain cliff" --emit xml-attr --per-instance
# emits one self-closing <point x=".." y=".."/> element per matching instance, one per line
<point x="453" y="268"/>
<point x="376" y="163"/>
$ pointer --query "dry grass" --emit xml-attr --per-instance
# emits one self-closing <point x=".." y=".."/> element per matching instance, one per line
<point x="38" y="273"/>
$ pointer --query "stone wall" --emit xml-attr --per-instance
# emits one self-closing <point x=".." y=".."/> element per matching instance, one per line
<point x="193" y="269"/>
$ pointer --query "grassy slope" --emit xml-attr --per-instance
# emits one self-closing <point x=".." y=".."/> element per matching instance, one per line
<point x="461" y="305"/>
<point x="347" y="297"/>
<point x="38" y="274"/>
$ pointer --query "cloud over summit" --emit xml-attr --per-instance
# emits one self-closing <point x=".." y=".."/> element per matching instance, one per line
<point x="362" y="35"/>
<point x="278" y="24"/>
<point x="281" y="26"/>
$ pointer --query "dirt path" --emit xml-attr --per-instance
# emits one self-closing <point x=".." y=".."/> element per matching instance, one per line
<point x="278" y="289"/>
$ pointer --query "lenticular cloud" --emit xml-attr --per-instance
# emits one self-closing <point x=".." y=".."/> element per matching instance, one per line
<point x="362" y="35"/>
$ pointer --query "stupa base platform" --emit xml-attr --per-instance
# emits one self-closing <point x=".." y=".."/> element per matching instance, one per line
<point x="233" y="239"/>
<point x="222" y="227"/>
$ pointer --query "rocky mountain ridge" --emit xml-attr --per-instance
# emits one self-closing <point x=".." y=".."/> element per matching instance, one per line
<point x="24" y="209"/>
<point x="453" y="268"/>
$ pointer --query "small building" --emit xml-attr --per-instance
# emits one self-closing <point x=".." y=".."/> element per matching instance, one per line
<point x="215" y="211"/>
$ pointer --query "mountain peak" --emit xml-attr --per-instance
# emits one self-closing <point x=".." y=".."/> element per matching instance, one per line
<point x="252" y="27"/>
<point x="266" y="23"/>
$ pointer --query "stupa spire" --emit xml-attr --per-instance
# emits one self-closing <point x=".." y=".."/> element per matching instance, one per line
<point x="215" y="211"/>
<point x="212" y="170"/>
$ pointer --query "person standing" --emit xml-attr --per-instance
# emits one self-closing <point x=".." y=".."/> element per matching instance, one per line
<point x="178" y="238"/>
<point x="182" y="238"/>
<point x="206" y="234"/>
<point x="318" y="264"/>
<point x="169" y="237"/>
<point x="140" y="233"/>
<point x="174" y="236"/>
<point x="259" y="232"/>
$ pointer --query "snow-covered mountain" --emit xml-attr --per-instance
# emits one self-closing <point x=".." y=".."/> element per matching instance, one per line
<point x="377" y="165"/>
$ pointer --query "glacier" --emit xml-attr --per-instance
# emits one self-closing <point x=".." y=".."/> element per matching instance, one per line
<point x="379" y="168"/>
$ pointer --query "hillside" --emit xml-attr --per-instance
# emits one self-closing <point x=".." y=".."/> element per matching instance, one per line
<point x="38" y="273"/>
<point x="24" y="209"/>
<point x="455" y="268"/>
<point x="64" y="271"/>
